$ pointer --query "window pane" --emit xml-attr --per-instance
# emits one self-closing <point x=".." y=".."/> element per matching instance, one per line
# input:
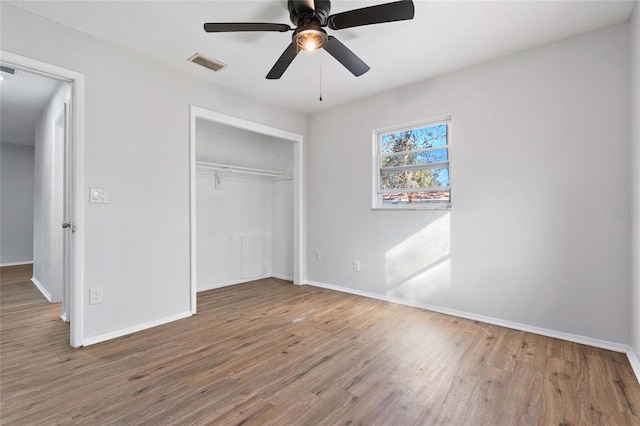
<point x="426" y="137"/>
<point x="407" y="159"/>
<point x="425" y="178"/>
<point x="417" y="198"/>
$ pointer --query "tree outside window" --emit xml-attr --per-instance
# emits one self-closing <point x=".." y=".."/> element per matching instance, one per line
<point x="413" y="167"/>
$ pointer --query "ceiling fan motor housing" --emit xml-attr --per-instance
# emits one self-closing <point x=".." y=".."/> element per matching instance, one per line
<point x="300" y="10"/>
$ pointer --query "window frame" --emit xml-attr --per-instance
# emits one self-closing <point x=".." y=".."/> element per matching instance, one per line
<point x="377" y="192"/>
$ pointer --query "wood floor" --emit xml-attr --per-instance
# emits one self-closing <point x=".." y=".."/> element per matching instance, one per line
<point x="16" y="274"/>
<point x="268" y="352"/>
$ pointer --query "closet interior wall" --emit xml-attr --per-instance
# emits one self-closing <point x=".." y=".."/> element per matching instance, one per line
<point x="244" y="221"/>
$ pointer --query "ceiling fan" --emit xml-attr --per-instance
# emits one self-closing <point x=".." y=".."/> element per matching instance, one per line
<point x="309" y="17"/>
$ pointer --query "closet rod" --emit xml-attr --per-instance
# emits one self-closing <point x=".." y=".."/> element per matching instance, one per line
<point x="238" y="169"/>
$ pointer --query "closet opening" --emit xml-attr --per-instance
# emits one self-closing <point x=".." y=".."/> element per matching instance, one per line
<point x="245" y="202"/>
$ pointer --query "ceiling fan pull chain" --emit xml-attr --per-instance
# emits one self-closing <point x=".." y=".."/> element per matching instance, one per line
<point x="320" y="77"/>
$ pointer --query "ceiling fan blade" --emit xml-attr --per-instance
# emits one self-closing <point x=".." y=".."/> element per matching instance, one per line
<point x="283" y="62"/>
<point x="346" y="57"/>
<point x="389" y="12"/>
<point x="224" y="27"/>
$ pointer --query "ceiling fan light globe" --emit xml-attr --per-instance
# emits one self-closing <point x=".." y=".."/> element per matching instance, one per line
<point x="310" y="40"/>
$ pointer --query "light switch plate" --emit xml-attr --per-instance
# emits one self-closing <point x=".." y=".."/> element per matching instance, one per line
<point x="98" y="195"/>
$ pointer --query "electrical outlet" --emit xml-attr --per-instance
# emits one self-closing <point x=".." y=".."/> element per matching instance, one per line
<point x="356" y="265"/>
<point x="318" y="255"/>
<point x="95" y="295"/>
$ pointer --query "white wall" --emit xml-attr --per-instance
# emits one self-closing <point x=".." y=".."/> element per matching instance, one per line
<point x="47" y="208"/>
<point x="137" y="146"/>
<point x="238" y="218"/>
<point x="16" y="203"/>
<point x="517" y="245"/>
<point x="282" y="216"/>
<point x="634" y="118"/>
<point x="538" y="151"/>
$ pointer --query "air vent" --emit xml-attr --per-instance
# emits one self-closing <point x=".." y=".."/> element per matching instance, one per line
<point x="7" y="70"/>
<point x="212" y="64"/>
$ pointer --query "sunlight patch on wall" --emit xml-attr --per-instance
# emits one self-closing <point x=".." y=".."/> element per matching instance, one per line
<point x="420" y="266"/>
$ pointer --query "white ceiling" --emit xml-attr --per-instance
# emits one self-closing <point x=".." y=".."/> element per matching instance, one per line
<point x="23" y="96"/>
<point x="443" y="37"/>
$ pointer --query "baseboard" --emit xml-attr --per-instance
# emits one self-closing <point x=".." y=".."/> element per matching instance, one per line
<point x="2" y="265"/>
<point x="129" y="330"/>
<point x="63" y="317"/>
<point x="635" y="364"/>
<point x="230" y="283"/>
<point x="575" y="338"/>
<point x="40" y="287"/>
<point x="282" y="277"/>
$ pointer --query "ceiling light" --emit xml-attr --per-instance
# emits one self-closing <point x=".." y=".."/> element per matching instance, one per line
<point x="310" y="37"/>
<point x="1" y="77"/>
<point x="310" y="44"/>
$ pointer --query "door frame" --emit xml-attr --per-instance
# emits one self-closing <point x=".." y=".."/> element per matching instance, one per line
<point x="299" y="247"/>
<point x="76" y="136"/>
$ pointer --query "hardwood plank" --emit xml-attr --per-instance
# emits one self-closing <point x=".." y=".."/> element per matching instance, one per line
<point x="268" y="352"/>
<point x="16" y="274"/>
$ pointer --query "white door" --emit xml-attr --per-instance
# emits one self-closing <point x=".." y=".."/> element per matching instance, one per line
<point x="67" y="219"/>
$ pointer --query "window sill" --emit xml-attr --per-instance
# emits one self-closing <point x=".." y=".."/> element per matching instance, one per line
<point x="412" y="208"/>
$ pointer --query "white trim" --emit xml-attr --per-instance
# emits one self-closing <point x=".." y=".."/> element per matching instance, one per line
<point x="2" y="265"/>
<point x="430" y="207"/>
<point x="415" y="124"/>
<point x="575" y="338"/>
<point x="40" y="287"/>
<point x="76" y="298"/>
<point x="282" y="277"/>
<point x="299" y="246"/>
<point x="192" y="210"/>
<point x="241" y="123"/>
<point x="635" y="364"/>
<point x="134" y="329"/>
<point x="63" y="317"/>
<point x="77" y="136"/>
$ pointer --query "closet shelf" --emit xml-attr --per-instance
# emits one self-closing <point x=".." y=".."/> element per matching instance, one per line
<point x="216" y="167"/>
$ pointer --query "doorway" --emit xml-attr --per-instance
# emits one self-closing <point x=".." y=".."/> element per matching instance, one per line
<point x="59" y="193"/>
<point x="248" y="241"/>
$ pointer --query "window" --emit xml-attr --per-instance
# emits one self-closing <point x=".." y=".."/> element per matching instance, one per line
<point x="412" y="167"/>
